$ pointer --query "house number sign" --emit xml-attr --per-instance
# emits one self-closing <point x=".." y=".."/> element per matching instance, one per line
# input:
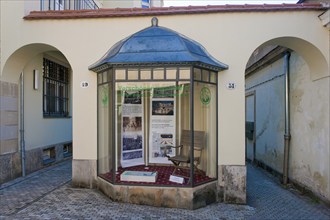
<point x="84" y="84"/>
<point x="231" y="85"/>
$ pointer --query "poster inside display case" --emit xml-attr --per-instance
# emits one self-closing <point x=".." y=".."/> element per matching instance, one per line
<point x="132" y="152"/>
<point x="162" y="124"/>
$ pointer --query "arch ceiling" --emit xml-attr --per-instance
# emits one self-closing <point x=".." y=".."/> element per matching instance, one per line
<point x="17" y="61"/>
<point x="316" y="61"/>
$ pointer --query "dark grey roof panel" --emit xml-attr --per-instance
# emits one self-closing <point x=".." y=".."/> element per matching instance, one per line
<point x="153" y="44"/>
<point x="158" y="45"/>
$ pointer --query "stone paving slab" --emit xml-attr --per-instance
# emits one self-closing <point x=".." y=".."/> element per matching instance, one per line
<point x="73" y="203"/>
<point x="20" y="193"/>
<point x="47" y="194"/>
<point x="272" y="201"/>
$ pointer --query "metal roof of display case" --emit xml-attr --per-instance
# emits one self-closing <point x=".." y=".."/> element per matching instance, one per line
<point x="157" y="46"/>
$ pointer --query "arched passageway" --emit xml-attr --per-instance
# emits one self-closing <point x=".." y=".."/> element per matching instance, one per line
<point x="302" y="125"/>
<point x="36" y="93"/>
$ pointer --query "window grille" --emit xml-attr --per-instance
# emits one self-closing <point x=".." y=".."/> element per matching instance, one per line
<point x="46" y="5"/>
<point x="55" y="89"/>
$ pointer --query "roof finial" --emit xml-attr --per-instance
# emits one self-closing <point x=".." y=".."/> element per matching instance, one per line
<point x="154" y="22"/>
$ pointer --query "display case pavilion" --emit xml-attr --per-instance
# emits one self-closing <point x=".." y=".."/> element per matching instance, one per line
<point x="157" y="120"/>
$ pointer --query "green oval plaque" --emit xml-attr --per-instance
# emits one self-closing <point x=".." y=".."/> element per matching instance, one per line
<point x="205" y="95"/>
<point x="105" y="98"/>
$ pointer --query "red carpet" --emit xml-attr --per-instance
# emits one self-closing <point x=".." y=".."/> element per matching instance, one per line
<point x="163" y="176"/>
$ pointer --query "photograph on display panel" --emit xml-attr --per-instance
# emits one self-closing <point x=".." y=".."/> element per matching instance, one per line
<point x="132" y="124"/>
<point x="132" y="155"/>
<point x="132" y="142"/>
<point x="161" y="107"/>
<point x="165" y="143"/>
<point x="133" y="97"/>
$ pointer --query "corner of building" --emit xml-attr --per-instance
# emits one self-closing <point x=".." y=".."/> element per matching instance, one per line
<point x="232" y="184"/>
<point x="84" y="173"/>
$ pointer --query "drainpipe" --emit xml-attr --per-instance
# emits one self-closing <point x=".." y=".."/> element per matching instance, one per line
<point x="22" y="140"/>
<point x="287" y="134"/>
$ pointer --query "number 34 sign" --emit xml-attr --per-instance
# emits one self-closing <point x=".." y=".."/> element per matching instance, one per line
<point x="231" y="85"/>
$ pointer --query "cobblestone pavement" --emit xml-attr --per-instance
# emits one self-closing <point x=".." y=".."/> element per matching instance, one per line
<point x="272" y="201"/>
<point x="47" y="194"/>
<point x="18" y="194"/>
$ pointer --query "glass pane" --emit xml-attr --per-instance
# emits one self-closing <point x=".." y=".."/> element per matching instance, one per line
<point x="99" y="78"/>
<point x="104" y="134"/>
<point x="171" y="73"/>
<point x="105" y="77"/>
<point x="197" y="74"/>
<point x="150" y="118"/>
<point x="213" y="78"/>
<point x="158" y="74"/>
<point x="205" y="75"/>
<point x="183" y="127"/>
<point x="129" y="126"/>
<point x="205" y="149"/>
<point x="133" y="75"/>
<point x="184" y="73"/>
<point x="145" y="74"/>
<point x="120" y="74"/>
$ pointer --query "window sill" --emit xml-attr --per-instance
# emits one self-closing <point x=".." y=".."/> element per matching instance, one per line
<point x="65" y="155"/>
<point x="56" y="117"/>
<point x="48" y="161"/>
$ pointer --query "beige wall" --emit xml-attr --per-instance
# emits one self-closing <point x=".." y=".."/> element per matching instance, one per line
<point x="230" y="37"/>
<point x="309" y="109"/>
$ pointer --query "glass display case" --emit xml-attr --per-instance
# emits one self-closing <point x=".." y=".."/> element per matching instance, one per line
<point x="157" y="111"/>
<point x="144" y="114"/>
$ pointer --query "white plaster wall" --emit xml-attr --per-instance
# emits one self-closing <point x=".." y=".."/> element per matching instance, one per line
<point x="31" y="5"/>
<point x="157" y="3"/>
<point x="309" y="108"/>
<point x="121" y="4"/>
<point x="83" y="41"/>
<point x="40" y="131"/>
<point x="309" y="153"/>
<point x="268" y="84"/>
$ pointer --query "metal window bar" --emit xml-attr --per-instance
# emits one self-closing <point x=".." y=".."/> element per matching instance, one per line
<point x="46" y="5"/>
<point x="55" y="87"/>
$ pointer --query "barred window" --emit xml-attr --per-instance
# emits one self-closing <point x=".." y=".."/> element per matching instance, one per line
<point x="55" y="89"/>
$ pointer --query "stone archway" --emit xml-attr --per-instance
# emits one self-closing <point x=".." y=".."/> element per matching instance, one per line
<point x="42" y="136"/>
<point x="317" y="63"/>
<point x="309" y="110"/>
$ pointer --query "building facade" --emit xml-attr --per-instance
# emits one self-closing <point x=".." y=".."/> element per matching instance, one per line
<point x="55" y="49"/>
<point x="131" y="4"/>
<point x="60" y="5"/>
<point x="304" y="126"/>
<point x="54" y="118"/>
